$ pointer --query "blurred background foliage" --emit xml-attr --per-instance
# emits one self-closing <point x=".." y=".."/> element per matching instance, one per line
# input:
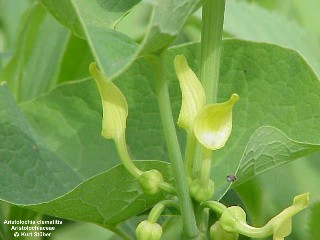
<point x="25" y="27"/>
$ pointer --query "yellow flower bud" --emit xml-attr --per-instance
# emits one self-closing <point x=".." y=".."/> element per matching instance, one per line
<point x="218" y="233"/>
<point x="201" y="192"/>
<point x="149" y="181"/>
<point x="231" y="218"/>
<point x="147" y="230"/>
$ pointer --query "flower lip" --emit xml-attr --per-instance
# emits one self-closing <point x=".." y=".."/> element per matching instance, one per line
<point x="213" y="123"/>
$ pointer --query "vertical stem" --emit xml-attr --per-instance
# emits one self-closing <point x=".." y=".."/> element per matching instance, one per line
<point x="181" y="183"/>
<point x="211" y="38"/>
<point x="189" y="155"/>
<point x="203" y="221"/>
<point x="206" y="166"/>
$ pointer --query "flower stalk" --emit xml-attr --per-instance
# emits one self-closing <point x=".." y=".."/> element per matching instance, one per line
<point x="211" y="39"/>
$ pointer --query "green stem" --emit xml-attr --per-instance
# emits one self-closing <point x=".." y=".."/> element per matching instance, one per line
<point x="132" y="169"/>
<point x="188" y="217"/>
<point x="158" y="209"/>
<point x="125" y="158"/>
<point x="254" y="232"/>
<point x="203" y="213"/>
<point x="205" y="166"/>
<point x="211" y="38"/>
<point x="197" y="162"/>
<point x="190" y="154"/>
<point x="167" y="187"/>
<point x="203" y="220"/>
<point x="214" y="206"/>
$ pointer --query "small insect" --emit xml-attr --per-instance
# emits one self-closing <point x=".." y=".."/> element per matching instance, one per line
<point x="231" y="178"/>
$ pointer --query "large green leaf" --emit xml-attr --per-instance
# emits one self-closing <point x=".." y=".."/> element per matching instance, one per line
<point x="34" y="66"/>
<point x="76" y="59"/>
<point x="73" y="129"/>
<point x="82" y="231"/>
<point x="259" y="24"/>
<point x="268" y="148"/>
<point x="29" y="172"/>
<point x="33" y="176"/>
<point x="106" y="199"/>
<point x="95" y="20"/>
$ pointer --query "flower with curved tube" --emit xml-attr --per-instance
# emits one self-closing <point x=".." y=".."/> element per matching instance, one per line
<point x="115" y="107"/>
<point x="212" y="123"/>
<point x="233" y="220"/>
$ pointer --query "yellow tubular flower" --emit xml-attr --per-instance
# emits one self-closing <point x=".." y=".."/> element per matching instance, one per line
<point x="193" y="94"/>
<point x="233" y="220"/>
<point x="281" y="224"/>
<point x="115" y="107"/>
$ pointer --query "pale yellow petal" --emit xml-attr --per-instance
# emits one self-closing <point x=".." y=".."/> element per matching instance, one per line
<point x="193" y="94"/>
<point x="115" y="107"/>
<point x="213" y="124"/>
